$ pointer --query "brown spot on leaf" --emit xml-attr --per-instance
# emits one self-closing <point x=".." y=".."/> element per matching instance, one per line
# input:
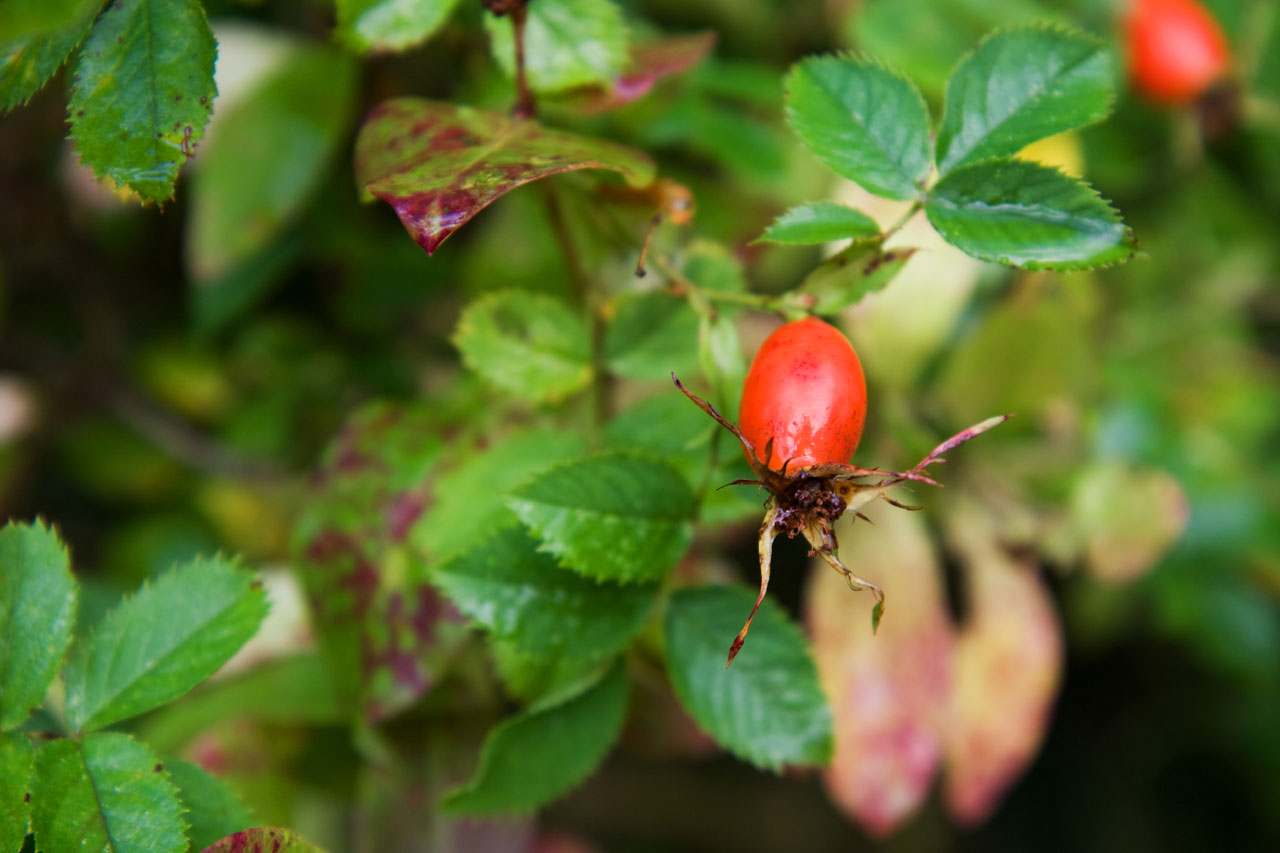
<point x="158" y="768"/>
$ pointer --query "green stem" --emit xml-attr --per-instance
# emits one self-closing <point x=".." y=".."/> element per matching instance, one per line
<point x="915" y="208"/>
<point x="701" y="298"/>
<point x="588" y="297"/>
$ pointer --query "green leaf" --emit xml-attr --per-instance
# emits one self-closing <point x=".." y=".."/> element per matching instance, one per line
<point x="651" y="335"/>
<point x="720" y="354"/>
<point x="547" y="614"/>
<point x="212" y="810"/>
<point x="867" y="123"/>
<point x="819" y="222"/>
<point x="28" y="59"/>
<point x="471" y="499"/>
<point x="614" y="516"/>
<point x="767" y="708"/>
<point x="143" y="92"/>
<point x="37" y="611"/>
<point x="292" y="691"/>
<point x="392" y="25"/>
<point x="107" y="792"/>
<point x="532" y="758"/>
<point x="847" y="276"/>
<point x="567" y="43"/>
<point x="527" y="344"/>
<point x="1027" y="215"/>
<point x="712" y="266"/>
<point x="266" y="158"/>
<point x="439" y="164"/>
<point x="16" y="764"/>
<point x="162" y="641"/>
<point x="1019" y="86"/>
<point x="264" y="839"/>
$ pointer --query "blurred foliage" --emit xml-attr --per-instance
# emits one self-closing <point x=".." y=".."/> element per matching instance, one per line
<point x="171" y="376"/>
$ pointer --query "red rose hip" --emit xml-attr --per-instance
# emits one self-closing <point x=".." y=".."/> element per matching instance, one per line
<point x="806" y="392"/>
<point x="1176" y="49"/>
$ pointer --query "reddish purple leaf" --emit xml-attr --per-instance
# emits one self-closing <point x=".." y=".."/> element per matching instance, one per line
<point x="1007" y="670"/>
<point x="648" y="64"/>
<point x="264" y="839"/>
<point x="888" y="690"/>
<point x="385" y="632"/>
<point x="440" y="164"/>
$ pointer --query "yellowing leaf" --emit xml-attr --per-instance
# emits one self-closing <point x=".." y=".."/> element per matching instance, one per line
<point x="1127" y="518"/>
<point x="887" y="690"/>
<point x="1008" y="666"/>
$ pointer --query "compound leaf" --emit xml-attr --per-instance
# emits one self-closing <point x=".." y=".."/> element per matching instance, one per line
<point x="1027" y="215"/>
<point x="162" y="641"/>
<point x="767" y="708"/>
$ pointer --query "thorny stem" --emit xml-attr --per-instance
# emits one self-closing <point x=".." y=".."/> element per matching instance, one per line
<point x="586" y="291"/>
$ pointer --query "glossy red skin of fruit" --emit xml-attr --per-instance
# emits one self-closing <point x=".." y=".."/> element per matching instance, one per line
<point x="806" y="391"/>
<point x="1176" y="49"/>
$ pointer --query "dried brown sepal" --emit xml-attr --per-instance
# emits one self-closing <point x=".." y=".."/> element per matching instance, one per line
<point x="808" y="501"/>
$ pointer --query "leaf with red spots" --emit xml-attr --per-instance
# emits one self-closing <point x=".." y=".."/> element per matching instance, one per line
<point x="887" y="690"/>
<point x="440" y="164"/>
<point x="1007" y="669"/>
<point x="263" y="839"/>
<point x="385" y="633"/>
<point x="648" y="64"/>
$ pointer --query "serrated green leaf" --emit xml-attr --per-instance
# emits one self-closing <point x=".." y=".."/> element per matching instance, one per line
<point x="107" y="792"/>
<point x="1027" y="215"/>
<point x="614" y="516"/>
<point x="867" y="123"/>
<point x="471" y="499"/>
<point x="391" y="25"/>
<point x="535" y="757"/>
<point x="213" y="811"/>
<point x="29" y="58"/>
<point x="819" y="222"/>
<point x="16" y="763"/>
<point x="651" y="335"/>
<point x="264" y="839"/>
<point x="37" y="611"/>
<point x="530" y="345"/>
<point x="852" y="273"/>
<point x="162" y="641"/>
<point x="1019" y="86"/>
<point x="554" y="618"/>
<point x="567" y="43"/>
<point x="767" y="708"/>
<point x="267" y="156"/>
<point x="143" y="92"/>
